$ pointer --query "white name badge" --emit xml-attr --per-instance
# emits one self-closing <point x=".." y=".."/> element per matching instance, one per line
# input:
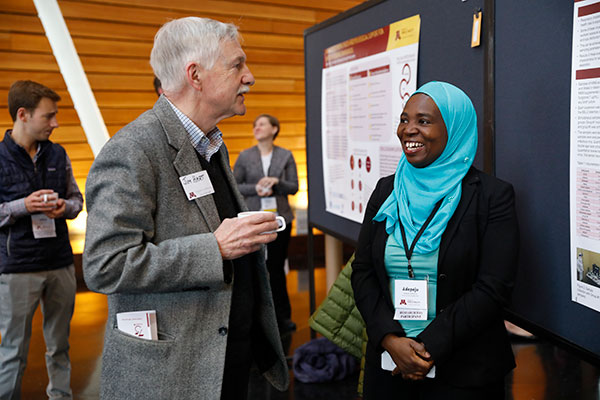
<point x="410" y="299"/>
<point x="268" y="204"/>
<point x="197" y="185"/>
<point x="43" y="227"/>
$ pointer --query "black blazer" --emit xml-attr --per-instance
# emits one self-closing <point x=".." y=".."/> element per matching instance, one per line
<point x="476" y="271"/>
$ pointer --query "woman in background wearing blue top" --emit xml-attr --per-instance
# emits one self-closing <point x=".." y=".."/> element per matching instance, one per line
<point x="436" y="260"/>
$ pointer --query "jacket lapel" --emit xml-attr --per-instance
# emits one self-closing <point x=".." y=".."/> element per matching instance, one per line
<point x="469" y="187"/>
<point x="277" y="162"/>
<point x="241" y="203"/>
<point x="379" y="241"/>
<point x="256" y="159"/>
<point x="186" y="160"/>
<point x="380" y="238"/>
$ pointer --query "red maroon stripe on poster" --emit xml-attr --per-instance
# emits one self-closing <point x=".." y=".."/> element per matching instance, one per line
<point x="358" y="75"/>
<point x="379" y="70"/>
<point x="587" y="73"/>
<point x="588" y="10"/>
<point x="359" y="47"/>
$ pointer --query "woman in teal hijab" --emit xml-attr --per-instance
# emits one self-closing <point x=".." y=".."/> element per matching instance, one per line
<point x="435" y="261"/>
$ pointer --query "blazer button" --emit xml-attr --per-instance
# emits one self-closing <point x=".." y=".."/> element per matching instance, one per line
<point x="223" y="331"/>
<point x="443" y="277"/>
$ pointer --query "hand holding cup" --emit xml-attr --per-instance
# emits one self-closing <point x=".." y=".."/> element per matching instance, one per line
<point x="41" y="201"/>
<point x="279" y="218"/>
<point x="237" y="237"/>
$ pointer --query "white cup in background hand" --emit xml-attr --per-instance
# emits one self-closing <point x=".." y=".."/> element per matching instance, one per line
<point x="279" y="218"/>
<point x="262" y="190"/>
<point x="51" y="198"/>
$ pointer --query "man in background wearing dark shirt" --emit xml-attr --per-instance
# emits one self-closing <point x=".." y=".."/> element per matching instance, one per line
<point x="37" y="194"/>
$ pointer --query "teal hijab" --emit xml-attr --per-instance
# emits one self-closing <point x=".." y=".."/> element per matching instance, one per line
<point x="417" y="190"/>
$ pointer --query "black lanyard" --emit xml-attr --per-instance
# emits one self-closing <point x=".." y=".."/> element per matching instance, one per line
<point x="409" y="251"/>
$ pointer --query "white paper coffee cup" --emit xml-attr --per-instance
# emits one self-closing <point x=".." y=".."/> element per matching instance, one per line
<point x="279" y="218"/>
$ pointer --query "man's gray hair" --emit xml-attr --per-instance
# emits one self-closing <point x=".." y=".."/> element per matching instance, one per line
<point x="187" y="39"/>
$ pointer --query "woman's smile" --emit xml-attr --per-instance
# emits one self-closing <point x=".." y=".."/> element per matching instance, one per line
<point x="413" y="147"/>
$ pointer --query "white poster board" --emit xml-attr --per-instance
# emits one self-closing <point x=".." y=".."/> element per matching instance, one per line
<point x="366" y="83"/>
<point x="585" y="155"/>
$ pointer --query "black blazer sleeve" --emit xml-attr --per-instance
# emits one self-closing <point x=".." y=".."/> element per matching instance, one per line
<point x="478" y="268"/>
<point x="372" y="300"/>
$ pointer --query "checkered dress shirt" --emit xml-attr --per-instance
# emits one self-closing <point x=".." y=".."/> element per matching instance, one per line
<point x="205" y="144"/>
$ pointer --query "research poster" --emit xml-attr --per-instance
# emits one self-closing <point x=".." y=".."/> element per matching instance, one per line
<point x="366" y="82"/>
<point x="585" y="155"/>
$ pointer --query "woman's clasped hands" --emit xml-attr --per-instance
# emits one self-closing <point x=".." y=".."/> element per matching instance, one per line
<point x="264" y="187"/>
<point x="412" y="360"/>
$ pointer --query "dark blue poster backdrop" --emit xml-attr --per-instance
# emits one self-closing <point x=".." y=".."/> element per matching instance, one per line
<point x="533" y="97"/>
<point x="530" y="97"/>
<point x="445" y="54"/>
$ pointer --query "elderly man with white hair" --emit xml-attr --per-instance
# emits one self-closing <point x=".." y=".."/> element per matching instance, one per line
<point x="162" y="233"/>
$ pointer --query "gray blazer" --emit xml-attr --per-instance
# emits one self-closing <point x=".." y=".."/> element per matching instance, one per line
<point x="248" y="171"/>
<point x="149" y="248"/>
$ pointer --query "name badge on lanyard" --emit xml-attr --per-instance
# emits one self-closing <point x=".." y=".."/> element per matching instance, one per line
<point x="197" y="185"/>
<point x="410" y="295"/>
<point x="410" y="299"/>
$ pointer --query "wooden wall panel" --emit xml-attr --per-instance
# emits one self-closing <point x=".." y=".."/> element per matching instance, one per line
<point x="114" y="40"/>
<point x="225" y="10"/>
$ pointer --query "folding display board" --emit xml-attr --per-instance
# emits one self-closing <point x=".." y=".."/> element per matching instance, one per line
<point x="445" y="54"/>
<point x="532" y="108"/>
<point x="519" y="82"/>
